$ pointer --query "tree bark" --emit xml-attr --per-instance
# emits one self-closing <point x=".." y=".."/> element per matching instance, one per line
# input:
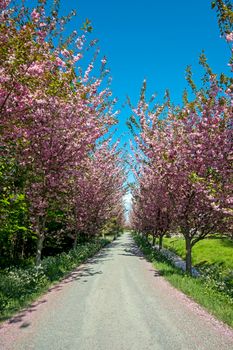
<point x="160" y="242"/>
<point x="40" y="242"/>
<point x="75" y="240"/>
<point x="153" y="242"/>
<point x="188" y="255"/>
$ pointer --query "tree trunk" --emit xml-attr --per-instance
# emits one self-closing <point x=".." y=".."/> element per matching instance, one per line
<point x="75" y="240"/>
<point x="153" y="242"/>
<point x="188" y="255"/>
<point x="41" y="237"/>
<point x="160" y="242"/>
<point x="22" y="250"/>
<point x="39" y="248"/>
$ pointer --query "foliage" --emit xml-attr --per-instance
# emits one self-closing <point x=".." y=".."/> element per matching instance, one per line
<point x="203" y="291"/>
<point x="183" y="161"/>
<point x="213" y="250"/>
<point x="112" y="226"/>
<point x="59" y="177"/>
<point x="20" y="286"/>
<point x="16" y="238"/>
<point x="213" y="258"/>
<point x="224" y="11"/>
<point x="218" y="277"/>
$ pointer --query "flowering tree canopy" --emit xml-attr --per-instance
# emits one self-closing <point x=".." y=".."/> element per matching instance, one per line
<point x="51" y="115"/>
<point x="184" y="162"/>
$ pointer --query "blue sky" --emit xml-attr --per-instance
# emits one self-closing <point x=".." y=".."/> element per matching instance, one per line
<point x="152" y="39"/>
<point x="155" y="40"/>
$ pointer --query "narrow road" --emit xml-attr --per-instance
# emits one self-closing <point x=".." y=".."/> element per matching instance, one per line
<point x="116" y="301"/>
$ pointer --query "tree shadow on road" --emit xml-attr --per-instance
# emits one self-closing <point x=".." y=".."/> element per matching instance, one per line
<point x="131" y="249"/>
<point x="82" y="274"/>
<point x="19" y="318"/>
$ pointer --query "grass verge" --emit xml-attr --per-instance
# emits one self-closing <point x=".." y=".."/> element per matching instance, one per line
<point x="212" y="257"/>
<point x="212" y="250"/>
<point x="21" y="286"/>
<point x="202" y="290"/>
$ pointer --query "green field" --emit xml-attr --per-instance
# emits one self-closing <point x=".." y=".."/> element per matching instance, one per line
<point x="213" y="290"/>
<point x="212" y="250"/>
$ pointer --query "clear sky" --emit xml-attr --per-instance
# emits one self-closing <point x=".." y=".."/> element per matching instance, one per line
<point x="151" y="39"/>
<point x="155" y="40"/>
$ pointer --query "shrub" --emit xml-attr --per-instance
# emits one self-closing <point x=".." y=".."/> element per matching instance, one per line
<point x="18" y="286"/>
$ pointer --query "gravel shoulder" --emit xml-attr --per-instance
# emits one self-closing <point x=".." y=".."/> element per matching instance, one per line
<point x="115" y="301"/>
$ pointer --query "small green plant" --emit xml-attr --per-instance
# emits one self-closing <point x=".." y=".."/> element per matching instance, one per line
<point x="20" y="286"/>
<point x="212" y="257"/>
<point x="218" y="277"/>
<point x="208" y="292"/>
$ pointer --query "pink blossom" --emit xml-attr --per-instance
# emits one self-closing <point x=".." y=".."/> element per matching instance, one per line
<point x="4" y="4"/>
<point x="65" y="53"/>
<point x="36" y="69"/>
<point x="80" y="42"/>
<point x="60" y="62"/>
<point x="35" y="15"/>
<point x="77" y="57"/>
<point x="229" y="37"/>
<point x="104" y="61"/>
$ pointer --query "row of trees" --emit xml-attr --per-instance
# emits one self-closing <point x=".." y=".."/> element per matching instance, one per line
<point x="59" y="179"/>
<point x="184" y="158"/>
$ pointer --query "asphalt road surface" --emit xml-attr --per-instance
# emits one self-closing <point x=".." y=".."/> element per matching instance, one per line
<point x="116" y="301"/>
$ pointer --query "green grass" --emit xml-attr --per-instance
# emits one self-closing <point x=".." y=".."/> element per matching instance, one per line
<point x="212" y="250"/>
<point x="203" y="291"/>
<point x="19" y="287"/>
